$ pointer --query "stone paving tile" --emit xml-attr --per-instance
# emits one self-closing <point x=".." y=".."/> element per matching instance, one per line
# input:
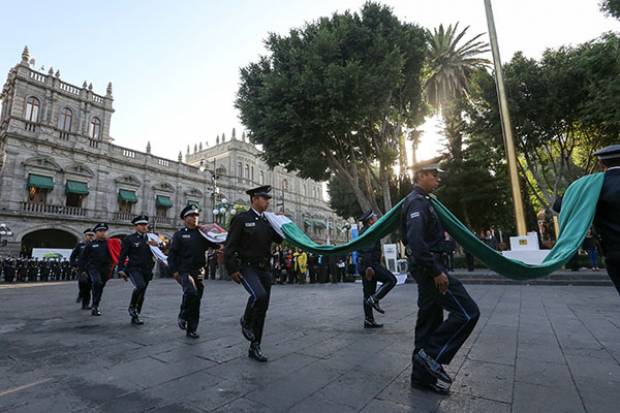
<point x="535" y="349"/>
<point x="557" y="397"/>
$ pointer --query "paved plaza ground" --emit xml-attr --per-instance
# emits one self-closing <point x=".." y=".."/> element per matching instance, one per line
<point x="536" y="349"/>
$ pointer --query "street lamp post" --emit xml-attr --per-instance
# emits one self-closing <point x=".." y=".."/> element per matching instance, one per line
<point x="214" y="187"/>
<point x="5" y="231"/>
<point x="506" y="124"/>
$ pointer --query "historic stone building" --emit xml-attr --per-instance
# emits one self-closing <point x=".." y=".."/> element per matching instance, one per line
<point x="60" y="171"/>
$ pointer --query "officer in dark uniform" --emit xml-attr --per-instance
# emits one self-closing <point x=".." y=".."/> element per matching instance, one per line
<point x="44" y="266"/>
<point x="186" y="261"/>
<point x="436" y="340"/>
<point x="97" y="261"/>
<point x="84" y="283"/>
<point x="8" y="270"/>
<point x="607" y="218"/>
<point x="33" y="269"/>
<point x="246" y="256"/>
<point x="135" y="249"/>
<point x="373" y="271"/>
<point x="65" y="269"/>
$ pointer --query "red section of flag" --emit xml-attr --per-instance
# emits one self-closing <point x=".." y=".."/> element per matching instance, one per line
<point x="114" y="247"/>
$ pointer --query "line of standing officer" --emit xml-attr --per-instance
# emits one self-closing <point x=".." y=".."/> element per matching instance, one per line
<point x="84" y="284"/>
<point x="186" y="262"/>
<point x="246" y="256"/>
<point x="436" y="340"/>
<point x="373" y="271"/>
<point x="136" y="262"/>
<point x="97" y="262"/>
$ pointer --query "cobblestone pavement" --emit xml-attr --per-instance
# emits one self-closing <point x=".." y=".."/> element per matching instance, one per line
<point x="535" y="349"/>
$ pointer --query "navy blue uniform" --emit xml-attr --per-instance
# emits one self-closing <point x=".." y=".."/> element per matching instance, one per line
<point x="423" y="234"/>
<point x="248" y="250"/>
<point x="371" y="257"/>
<point x="139" y="266"/>
<point x="97" y="262"/>
<point x="186" y="256"/>
<point x="8" y="269"/>
<point x="84" y="284"/>
<point x="607" y="223"/>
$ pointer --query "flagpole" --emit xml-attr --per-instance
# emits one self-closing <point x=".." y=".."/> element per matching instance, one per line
<point x="509" y="145"/>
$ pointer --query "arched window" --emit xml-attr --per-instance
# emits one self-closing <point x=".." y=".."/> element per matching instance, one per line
<point x="285" y="184"/>
<point x="64" y="121"/>
<point x="94" y="129"/>
<point x="32" y="109"/>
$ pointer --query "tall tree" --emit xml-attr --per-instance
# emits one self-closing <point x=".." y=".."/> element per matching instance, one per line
<point x="333" y="96"/>
<point x="611" y="8"/>
<point x="563" y="107"/>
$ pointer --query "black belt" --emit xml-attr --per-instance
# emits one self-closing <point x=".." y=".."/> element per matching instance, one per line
<point x="257" y="263"/>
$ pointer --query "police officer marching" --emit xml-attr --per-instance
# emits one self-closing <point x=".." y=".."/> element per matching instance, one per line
<point x="186" y="262"/>
<point x="84" y="284"/>
<point x="607" y="218"/>
<point x="436" y="340"/>
<point x="135" y="262"/>
<point x="246" y="256"/>
<point x="97" y="262"/>
<point x="373" y="271"/>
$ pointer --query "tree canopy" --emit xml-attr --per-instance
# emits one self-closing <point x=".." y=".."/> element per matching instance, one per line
<point x="333" y="96"/>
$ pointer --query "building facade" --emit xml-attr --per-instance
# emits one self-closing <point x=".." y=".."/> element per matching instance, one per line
<point x="60" y="171"/>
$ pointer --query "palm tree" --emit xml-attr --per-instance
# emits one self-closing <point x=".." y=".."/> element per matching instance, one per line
<point x="451" y="65"/>
<point x="452" y="62"/>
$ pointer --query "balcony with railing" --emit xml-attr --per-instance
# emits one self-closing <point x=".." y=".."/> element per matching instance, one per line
<point x="56" y="210"/>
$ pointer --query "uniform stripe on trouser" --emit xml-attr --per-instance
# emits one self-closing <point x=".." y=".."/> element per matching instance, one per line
<point x="250" y="290"/>
<point x="468" y="319"/>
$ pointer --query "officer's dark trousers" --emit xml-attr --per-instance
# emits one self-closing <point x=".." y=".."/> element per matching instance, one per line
<point x="388" y="281"/>
<point x="258" y="285"/>
<point x="193" y="289"/>
<point x="440" y="338"/>
<point x="613" y="269"/>
<point x="140" y="281"/>
<point x="84" y="286"/>
<point x="98" y="278"/>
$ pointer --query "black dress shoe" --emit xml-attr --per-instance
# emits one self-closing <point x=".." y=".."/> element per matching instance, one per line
<point x="432" y="366"/>
<point x="255" y="353"/>
<point x="246" y="331"/>
<point x="86" y="307"/>
<point x="95" y="311"/>
<point x="136" y="320"/>
<point x="372" y="324"/>
<point x="372" y="301"/>
<point x="182" y="324"/>
<point x="192" y="334"/>
<point x="433" y="387"/>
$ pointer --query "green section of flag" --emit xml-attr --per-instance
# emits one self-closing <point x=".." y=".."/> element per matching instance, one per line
<point x="578" y="210"/>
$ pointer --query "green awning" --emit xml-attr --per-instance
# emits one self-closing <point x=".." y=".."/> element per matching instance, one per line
<point x="163" y="201"/>
<point x="127" y="196"/>
<point x="76" y="187"/>
<point x="40" y="181"/>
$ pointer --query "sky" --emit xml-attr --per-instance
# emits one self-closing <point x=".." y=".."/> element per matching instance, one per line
<point x="174" y="66"/>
